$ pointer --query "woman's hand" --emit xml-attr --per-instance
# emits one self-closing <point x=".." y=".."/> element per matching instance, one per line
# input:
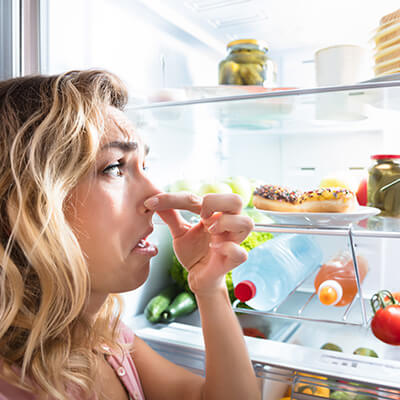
<point x="210" y="248"/>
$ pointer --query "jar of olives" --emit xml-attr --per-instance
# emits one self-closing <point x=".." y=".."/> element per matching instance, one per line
<point x="384" y="184"/>
<point x="247" y="64"/>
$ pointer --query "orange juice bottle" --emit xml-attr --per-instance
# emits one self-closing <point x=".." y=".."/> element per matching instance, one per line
<point x="336" y="283"/>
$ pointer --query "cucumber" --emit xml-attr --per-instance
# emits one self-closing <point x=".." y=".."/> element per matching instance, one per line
<point x="159" y="303"/>
<point x="183" y="304"/>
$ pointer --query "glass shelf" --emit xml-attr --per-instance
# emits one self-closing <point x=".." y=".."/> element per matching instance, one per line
<point x="303" y="305"/>
<point x="374" y="227"/>
<point x="235" y="109"/>
<point x="378" y="227"/>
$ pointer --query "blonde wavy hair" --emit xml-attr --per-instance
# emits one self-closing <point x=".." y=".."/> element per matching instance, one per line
<point x="50" y="127"/>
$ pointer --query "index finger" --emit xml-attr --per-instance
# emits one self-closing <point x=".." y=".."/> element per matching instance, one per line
<point x="230" y="203"/>
<point x="178" y="201"/>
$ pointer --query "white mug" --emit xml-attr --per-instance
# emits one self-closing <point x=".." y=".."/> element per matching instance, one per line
<point x="342" y="65"/>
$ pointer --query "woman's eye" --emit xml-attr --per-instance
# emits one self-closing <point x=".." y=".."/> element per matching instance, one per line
<point x="114" y="169"/>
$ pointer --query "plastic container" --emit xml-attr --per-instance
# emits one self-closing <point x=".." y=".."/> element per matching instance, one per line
<point x="343" y="64"/>
<point x="247" y="63"/>
<point x="336" y="283"/>
<point x="384" y="184"/>
<point x="274" y="269"/>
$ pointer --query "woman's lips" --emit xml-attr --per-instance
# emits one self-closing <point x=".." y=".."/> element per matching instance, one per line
<point x="146" y="248"/>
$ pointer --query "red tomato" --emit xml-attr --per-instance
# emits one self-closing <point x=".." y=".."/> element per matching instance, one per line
<point x="362" y="192"/>
<point x="385" y="324"/>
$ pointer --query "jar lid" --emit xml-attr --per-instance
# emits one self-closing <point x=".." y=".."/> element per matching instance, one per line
<point x="254" y="42"/>
<point x="384" y="156"/>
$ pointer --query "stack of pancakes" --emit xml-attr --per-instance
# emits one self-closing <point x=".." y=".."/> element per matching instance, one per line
<point x="387" y="45"/>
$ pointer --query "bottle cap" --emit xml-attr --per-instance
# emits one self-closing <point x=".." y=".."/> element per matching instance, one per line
<point x="330" y="292"/>
<point x="245" y="290"/>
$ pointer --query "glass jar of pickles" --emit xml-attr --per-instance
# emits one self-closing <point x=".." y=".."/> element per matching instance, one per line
<point x="247" y="63"/>
<point x="384" y="184"/>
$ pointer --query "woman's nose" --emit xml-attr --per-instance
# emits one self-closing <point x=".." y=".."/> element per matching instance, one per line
<point x="150" y="191"/>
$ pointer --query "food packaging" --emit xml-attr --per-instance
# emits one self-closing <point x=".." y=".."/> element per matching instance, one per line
<point x="342" y="65"/>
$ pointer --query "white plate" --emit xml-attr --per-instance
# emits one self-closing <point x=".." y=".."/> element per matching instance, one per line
<point x="384" y="78"/>
<point x="322" y="219"/>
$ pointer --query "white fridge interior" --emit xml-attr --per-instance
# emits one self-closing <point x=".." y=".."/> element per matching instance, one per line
<point x="225" y="136"/>
<point x="292" y="140"/>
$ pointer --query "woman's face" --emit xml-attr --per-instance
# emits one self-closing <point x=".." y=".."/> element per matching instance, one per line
<point x="107" y="213"/>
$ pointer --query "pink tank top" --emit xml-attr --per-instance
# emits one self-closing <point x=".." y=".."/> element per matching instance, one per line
<point x="124" y="368"/>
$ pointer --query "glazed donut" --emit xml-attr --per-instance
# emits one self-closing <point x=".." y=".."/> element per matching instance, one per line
<point x="327" y="200"/>
<point x="276" y="198"/>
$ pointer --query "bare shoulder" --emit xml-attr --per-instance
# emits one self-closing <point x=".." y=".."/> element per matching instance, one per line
<point x="162" y="379"/>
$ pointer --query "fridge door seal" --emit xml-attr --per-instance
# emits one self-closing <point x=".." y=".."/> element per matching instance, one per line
<point x="10" y="51"/>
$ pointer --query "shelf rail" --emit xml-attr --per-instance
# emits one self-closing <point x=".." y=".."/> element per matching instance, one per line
<point x="359" y="88"/>
<point x="392" y="232"/>
<point x="327" y="231"/>
<point x="358" y="278"/>
<point x="294" y="317"/>
<point x="347" y="231"/>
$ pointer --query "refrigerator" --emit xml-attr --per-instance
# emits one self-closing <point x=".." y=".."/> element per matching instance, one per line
<point x="168" y="53"/>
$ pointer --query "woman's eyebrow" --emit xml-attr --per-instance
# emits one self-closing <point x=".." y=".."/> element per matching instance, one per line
<point x="124" y="146"/>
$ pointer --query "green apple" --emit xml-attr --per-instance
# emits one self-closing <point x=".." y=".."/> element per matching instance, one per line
<point x="183" y="185"/>
<point x="257" y="216"/>
<point x="254" y="185"/>
<point x="241" y="186"/>
<point x="214" y="187"/>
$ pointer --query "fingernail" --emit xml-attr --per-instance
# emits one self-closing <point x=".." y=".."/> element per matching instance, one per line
<point x="215" y="245"/>
<point x="212" y="228"/>
<point x="151" y="203"/>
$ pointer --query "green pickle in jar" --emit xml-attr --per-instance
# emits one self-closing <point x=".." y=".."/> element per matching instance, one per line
<point x="247" y="64"/>
<point x="384" y="184"/>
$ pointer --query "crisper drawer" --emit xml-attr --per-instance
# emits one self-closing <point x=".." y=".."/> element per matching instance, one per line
<point x="285" y="369"/>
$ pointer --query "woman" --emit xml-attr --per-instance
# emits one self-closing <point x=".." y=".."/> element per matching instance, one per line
<point x="76" y="209"/>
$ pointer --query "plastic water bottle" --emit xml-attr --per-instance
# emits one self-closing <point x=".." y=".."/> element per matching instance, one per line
<point x="274" y="269"/>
